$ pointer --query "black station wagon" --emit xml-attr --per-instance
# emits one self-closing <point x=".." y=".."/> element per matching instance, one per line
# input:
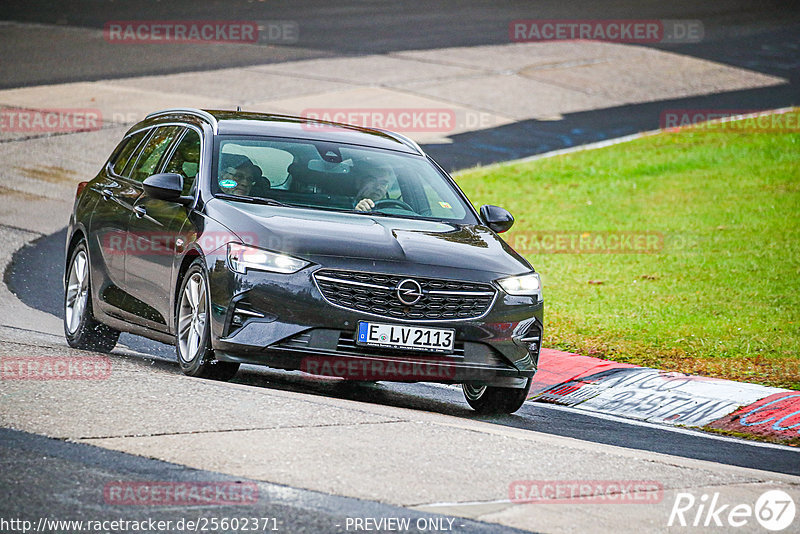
<point x="302" y="245"/>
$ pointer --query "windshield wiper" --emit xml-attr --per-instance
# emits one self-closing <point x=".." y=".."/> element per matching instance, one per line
<point x="252" y="200"/>
<point x="384" y="214"/>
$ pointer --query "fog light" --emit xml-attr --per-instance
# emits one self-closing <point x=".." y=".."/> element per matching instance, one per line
<point x="241" y="314"/>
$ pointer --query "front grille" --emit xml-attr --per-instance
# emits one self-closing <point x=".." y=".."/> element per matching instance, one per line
<point x="377" y="294"/>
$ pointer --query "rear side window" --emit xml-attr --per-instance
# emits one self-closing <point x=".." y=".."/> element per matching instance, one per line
<point x="135" y="156"/>
<point x="153" y="152"/>
<point x="185" y="159"/>
<point x="125" y="154"/>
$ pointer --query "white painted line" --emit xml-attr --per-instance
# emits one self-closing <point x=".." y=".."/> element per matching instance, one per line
<point x="562" y="151"/>
<point x="456" y="387"/>
<point x="668" y="428"/>
<point x="612" y="142"/>
<point x="59" y="336"/>
<point x="467" y="503"/>
<point x="639" y="422"/>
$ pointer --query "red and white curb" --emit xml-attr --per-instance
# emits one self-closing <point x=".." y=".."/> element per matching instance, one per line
<point x="632" y="392"/>
<point x="775" y="416"/>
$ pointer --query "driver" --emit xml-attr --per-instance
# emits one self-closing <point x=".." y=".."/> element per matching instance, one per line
<point x="372" y="188"/>
<point x="242" y="175"/>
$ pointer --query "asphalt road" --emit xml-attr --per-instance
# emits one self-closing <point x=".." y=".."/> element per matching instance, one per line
<point x="70" y="486"/>
<point x="60" y="44"/>
<point x="46" y="42"/>
<point x="40" y="288"/>
<point x="325" y="28"/>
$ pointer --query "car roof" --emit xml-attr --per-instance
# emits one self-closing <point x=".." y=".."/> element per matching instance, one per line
<point x="225" y="122"/>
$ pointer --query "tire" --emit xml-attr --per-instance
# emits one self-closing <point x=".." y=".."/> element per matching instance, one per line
<point x="496" y="400"/>
<point x="193" y="329"/>
<point x="80" y="327"/>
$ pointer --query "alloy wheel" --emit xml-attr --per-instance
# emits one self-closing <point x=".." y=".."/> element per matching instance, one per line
<point x="473" y="392"/>
<point x="192" y="315"/>
<point x="77" y="292"/>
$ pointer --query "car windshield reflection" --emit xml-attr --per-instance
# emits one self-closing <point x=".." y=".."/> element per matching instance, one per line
<point x="326" y="176"/>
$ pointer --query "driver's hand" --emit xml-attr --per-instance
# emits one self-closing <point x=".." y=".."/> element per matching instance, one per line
<point x="365" y="204"/>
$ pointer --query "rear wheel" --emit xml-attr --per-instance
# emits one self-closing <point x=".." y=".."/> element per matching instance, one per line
<point x="80" y="327"/>
<point x="193" y="327"/>
<point x="491" y="399"/>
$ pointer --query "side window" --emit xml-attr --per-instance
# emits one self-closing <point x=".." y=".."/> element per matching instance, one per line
<point x="135" y="156"/>
<point x="153" y="151"/>
<point x="125" y="154"/>
<point x="185" y="159"/>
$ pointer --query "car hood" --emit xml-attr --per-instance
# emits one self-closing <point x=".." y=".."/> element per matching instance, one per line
<point x="316" y="234"/>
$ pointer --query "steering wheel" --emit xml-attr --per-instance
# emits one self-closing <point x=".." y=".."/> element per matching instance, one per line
<point x="388" y="202"/>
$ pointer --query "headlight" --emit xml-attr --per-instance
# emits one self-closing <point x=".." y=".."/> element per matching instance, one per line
<point x="526" y="284"/>
<point x="243" y="257"/>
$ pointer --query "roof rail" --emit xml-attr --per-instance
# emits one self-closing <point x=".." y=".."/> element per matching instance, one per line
<point x="403" y="139"/>
<point x="192" y="111"/>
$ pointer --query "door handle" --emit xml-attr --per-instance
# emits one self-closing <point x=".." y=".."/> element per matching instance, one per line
<point x="139" y="211"/>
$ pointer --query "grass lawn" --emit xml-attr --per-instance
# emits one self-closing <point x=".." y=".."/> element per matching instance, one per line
<point x="715" y="287"/>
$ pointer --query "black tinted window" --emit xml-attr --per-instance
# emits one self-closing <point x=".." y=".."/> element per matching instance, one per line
<point x="125" y="154"/>
<point x="185" y="159"/>
<point x="132" y="160"/>
<point x="153" y="152"/>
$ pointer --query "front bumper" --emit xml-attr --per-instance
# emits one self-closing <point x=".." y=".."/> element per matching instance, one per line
<point x="284" y="321"/>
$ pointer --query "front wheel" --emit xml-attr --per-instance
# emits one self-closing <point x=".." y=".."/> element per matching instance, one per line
<point x="496" y="400"/>
<point x="80" y="327"/>
<point x="193" y="328"/>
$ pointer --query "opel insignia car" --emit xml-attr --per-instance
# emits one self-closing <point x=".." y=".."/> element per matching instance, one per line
<point x="301" y="245"/>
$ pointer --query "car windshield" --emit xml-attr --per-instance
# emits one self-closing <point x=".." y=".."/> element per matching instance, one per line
<point x="331" y="176"/>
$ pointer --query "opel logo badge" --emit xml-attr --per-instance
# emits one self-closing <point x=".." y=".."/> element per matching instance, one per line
<point x="409" y="292"/>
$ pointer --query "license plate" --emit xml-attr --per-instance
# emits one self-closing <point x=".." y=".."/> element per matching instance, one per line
<point x="395" y="336"/>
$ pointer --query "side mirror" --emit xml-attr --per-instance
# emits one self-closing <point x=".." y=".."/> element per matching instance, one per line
<point x="497" y="218"/>
<point x="165" y="186"/>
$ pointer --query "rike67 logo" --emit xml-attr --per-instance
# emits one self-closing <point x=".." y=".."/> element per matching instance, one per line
<point x="774" y="510"/>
